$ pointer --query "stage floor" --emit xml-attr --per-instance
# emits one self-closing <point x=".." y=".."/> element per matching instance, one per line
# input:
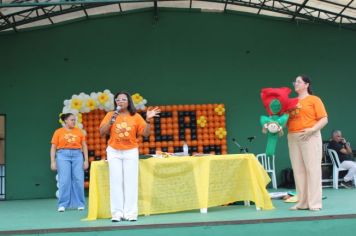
<point x="40" y="216"/>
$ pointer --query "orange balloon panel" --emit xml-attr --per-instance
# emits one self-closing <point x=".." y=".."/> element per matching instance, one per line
<point x="168" y="131"/>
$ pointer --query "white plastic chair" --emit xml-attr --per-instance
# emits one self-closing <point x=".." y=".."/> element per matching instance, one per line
<point x="268" y="165"/>
<point x="336" y="168"/>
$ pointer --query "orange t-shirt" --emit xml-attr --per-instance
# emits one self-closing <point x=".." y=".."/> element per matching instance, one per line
<point x="125" y="130"/>
<point x="309" y="110"/>
<point x="71" y="139"/>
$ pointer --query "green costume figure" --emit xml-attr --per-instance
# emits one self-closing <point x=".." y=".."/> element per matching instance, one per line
<point x="277" y="103"/>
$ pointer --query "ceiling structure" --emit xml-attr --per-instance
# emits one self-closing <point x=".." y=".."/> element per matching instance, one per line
<point x="16" y="15"/>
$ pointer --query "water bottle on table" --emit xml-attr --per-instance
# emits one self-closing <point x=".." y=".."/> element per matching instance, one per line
<point x="185" y="149"/>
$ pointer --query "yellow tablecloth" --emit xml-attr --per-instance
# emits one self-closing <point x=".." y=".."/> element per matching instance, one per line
<point x="185" y="183"/>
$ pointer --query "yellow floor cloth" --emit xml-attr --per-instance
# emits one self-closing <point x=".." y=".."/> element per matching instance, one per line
<point x="184" y="183"/>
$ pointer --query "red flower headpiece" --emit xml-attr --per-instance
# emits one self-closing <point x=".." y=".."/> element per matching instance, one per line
<point x="281" y="94"/>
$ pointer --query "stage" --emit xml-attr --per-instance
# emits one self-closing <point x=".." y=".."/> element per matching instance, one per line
<point x="40" y="217"/>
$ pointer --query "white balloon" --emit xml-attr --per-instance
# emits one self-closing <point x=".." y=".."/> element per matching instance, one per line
<point x="57" y="194"/>
<point x="108" y="103"/>
<point x="66" y="102"/>
<point x="66" y="109"/>
<point x="74" y="112"/>
<point x="85" y="109"/>
<point x="56" y="177"/>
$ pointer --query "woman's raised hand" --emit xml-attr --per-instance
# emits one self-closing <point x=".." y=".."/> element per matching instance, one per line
<point x="152" y="112"/>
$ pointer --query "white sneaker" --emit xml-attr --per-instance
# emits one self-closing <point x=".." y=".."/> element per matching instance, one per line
<point x="115" y="219"/>
<point x="132" y="218"/>
<point x="61" y="209"/>
<point x="80" y="208"/>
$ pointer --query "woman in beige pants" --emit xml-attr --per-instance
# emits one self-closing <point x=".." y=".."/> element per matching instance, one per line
<point x="305" y="145"/>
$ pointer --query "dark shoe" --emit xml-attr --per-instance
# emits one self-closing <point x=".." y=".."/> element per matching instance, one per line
<point x="347" y="184"/>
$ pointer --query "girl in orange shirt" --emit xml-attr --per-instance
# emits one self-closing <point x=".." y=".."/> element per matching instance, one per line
<point x="67" y="150"/>
<point x="124" y="126"/>
<point x="305" y="145"/>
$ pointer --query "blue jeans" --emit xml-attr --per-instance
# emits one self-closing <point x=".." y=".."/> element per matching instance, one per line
<point x="70" y="178"/>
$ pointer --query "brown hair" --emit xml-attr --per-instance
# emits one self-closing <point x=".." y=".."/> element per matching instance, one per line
<point x="65" y="116"/>
<point x="307" y="80"/>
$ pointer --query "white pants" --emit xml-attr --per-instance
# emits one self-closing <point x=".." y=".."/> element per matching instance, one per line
<point x="123" y="168"/>
<point x="351" y="166"/>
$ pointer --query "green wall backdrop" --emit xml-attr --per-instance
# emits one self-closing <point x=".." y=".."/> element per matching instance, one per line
<point x="183" y="58"/>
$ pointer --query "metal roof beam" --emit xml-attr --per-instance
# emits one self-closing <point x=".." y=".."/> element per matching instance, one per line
<point x="336" y="4"/>
<point x="85" y="11"/>
<point x="50" y="13"/>
<point x="33" y="3"/>
<point x="259" y="10"/>
<point x="155" y="10"/>
<point x="300" y="8"/>
<point x="288" y="8"/>
<point x="5" y="18"/>
<point x="46" y="13"/>
<point x="342" y="11"/>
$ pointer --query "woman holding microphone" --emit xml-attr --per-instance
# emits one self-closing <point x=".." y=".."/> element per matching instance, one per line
<point x="124" y="125"/>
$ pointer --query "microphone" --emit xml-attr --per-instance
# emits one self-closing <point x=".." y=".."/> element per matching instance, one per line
<point x="251" y="138"/>
<point x="236" y="143"/>
<point x="118" y="108"/>
<point x="116" y="112"/>
<point x="242" y="149"/>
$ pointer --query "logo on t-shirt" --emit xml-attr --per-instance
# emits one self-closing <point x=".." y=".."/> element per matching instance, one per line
<point x="123" y="130"/>
<point x="295" y="111"/>
<point x="70" y="138"/>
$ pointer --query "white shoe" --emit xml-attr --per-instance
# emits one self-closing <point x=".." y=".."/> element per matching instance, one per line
<point x="132" y="218"/>
<point x="80" y="208"/>
<point x="115" y="219"/>
<point x="61" y="209"/>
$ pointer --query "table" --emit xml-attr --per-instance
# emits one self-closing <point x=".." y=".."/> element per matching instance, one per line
<point x="184" y="183"/>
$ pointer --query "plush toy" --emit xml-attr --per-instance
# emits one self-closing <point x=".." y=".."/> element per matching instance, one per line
<point x="277" y="103"/>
